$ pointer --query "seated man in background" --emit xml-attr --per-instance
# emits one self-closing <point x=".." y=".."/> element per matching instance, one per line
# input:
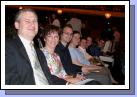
<point x="82" y="47"/>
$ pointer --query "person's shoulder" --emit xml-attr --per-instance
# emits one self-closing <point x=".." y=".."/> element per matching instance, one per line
<point x="56" y="54"/>
<point x="11" y="45"/>
<point x="73" y="50"/>
<point x="79" y="20"/>
<point x="56" y="20"/>
<point x="60" y="46"/>
<point x="10" y="41"/>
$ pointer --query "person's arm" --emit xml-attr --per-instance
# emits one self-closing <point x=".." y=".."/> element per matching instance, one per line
<point x="68" y="78"/>
<point x="74" y="54"/>
<point x="89" y="57"/>
<point x="11" y="73"/>
<point x="110" y="46"/>
<point x="57" y="81"/>
<point x="75" y="69"/>
<point x="76" y="62"/>
<point x="72" y="80"/>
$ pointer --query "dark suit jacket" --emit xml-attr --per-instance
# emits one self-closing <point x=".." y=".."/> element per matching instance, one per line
<point x="18" y="70"/>
<point x="65" y="57"/>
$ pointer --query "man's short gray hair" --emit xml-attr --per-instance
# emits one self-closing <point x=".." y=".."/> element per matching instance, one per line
<point x="18" y="15"/>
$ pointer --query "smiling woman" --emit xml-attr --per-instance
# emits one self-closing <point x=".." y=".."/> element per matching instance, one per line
<point x="51" y="38"/>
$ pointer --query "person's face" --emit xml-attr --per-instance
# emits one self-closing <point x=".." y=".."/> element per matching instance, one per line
<point x="89" y="41"/>
<point x="27" y="25"/>
<point x="101" y="43"/>
<point x="51" y="40"/>
<point x="66" y="35"/>
<point x="116" y="34"/>
<point x="75" y="39"/>
<point x="83" y="43"/>
<point x="53" y="16"/>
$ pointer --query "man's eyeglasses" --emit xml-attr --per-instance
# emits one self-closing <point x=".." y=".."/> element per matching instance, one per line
<point x="68" y="33"/>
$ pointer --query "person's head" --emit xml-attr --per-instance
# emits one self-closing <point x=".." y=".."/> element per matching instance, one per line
<point x="116" y="35"/>
<point x="67" y="33"/>
<point x="74" y="15"/>
<point x="101" y="43"/>
<point x="83" y="43"/>
<point x="51" y="36"/>
<point x="53" y="16"/>
<point x="26" y="23"/>
<point x="89" y="41"/>
<point x="75" y="38"/>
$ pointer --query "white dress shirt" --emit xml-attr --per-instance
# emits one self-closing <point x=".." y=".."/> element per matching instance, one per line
<point x="87" y="56"/>
<point x="38" y="80"/>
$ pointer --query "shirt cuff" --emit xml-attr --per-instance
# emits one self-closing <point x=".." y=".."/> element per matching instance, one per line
<point x="67" y="83"/>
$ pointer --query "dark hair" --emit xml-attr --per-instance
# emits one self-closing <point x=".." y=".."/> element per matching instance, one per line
<point x="49" y="29"/>
<point x="76" y="32"/>
<point x="89" y="37"/>
<point x="83" y="38"/>
<point x="67" y="25"/>
<point x="17" y="17"/>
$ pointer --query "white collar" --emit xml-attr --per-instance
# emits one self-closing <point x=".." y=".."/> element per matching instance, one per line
<point x="81" y="48"/>
<point x="25" y="41"/>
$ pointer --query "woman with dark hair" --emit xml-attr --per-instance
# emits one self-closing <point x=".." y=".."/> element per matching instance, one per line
<point x="51" y="38"/>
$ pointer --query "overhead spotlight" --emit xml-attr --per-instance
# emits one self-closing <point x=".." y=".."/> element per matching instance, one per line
<point x="59" y="11"/>
<point x="20" y="7"/>
<point x="107" y="15"/>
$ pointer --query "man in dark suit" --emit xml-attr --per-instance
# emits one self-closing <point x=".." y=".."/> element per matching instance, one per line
<point x="19" y="63"/>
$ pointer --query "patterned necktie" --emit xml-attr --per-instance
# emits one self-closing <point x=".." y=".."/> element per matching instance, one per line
<point x="40" y="78"/>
